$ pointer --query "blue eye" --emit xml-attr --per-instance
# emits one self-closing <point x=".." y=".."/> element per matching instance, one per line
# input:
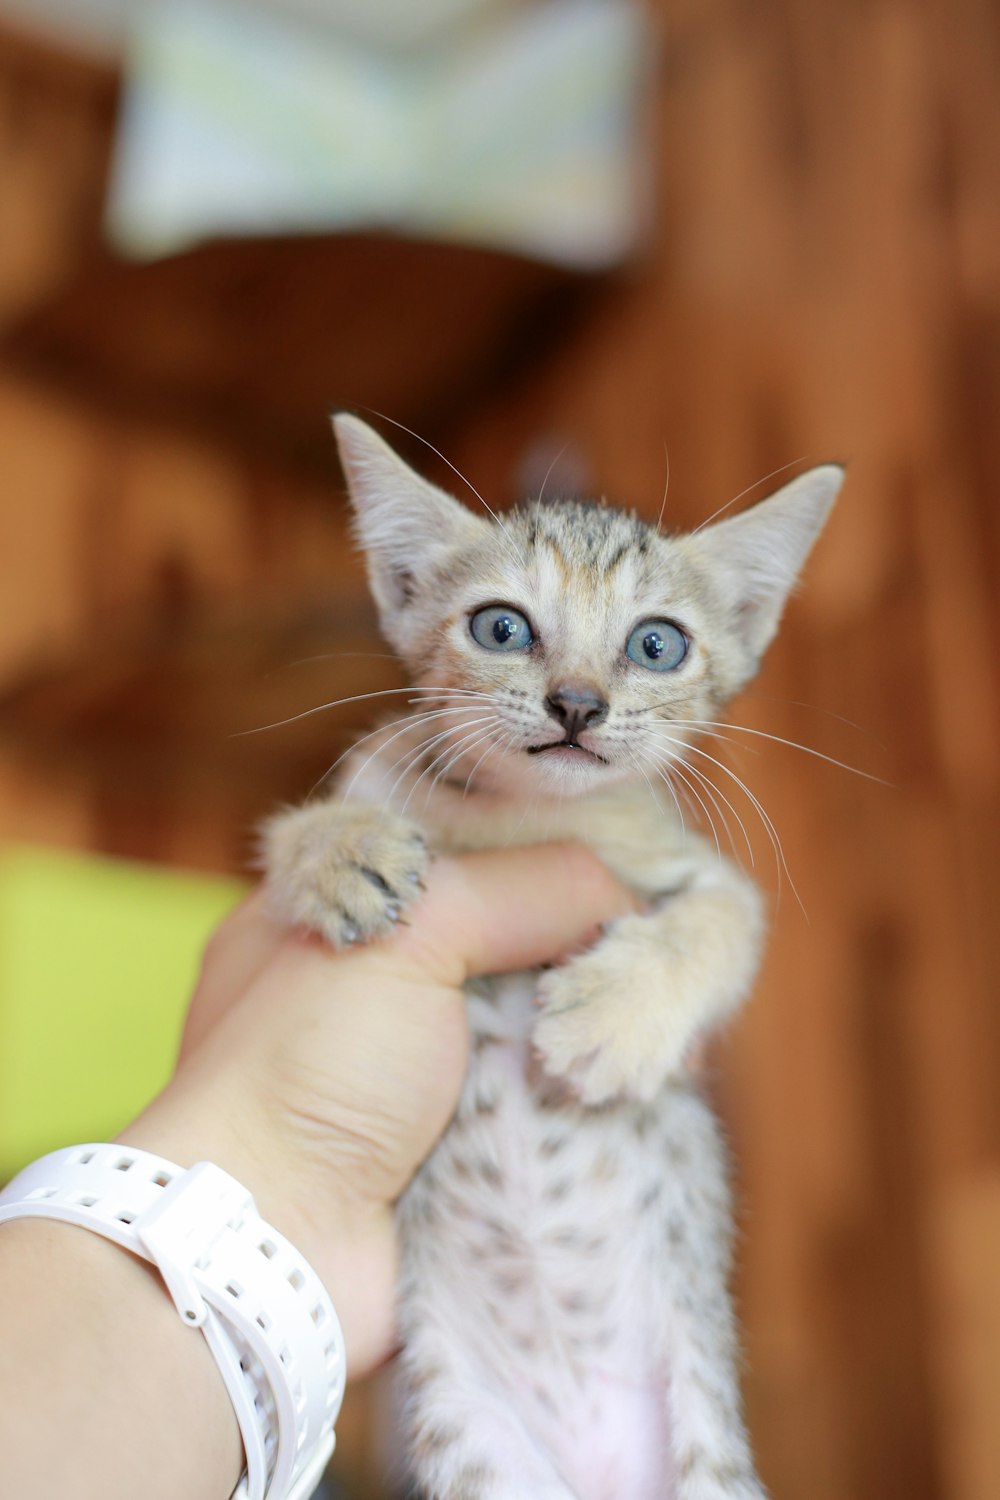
<point x="500" y="628"/>
<point x="657" y="644"/>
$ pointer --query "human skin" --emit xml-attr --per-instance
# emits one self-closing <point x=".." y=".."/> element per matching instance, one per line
<point x="319" y="1080"/>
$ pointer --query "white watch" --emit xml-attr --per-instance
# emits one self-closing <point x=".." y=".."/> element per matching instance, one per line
<point x="266" y="1315"/>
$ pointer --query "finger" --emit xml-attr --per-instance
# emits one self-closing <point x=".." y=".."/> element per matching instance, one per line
<point x="238" y="950"/>
<point x="509" y="909"/>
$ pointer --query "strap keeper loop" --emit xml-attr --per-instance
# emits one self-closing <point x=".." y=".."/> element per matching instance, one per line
<point x="181" y="1228"/>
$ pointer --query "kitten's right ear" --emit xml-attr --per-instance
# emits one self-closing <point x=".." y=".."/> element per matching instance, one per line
<point x="405" y="524"/>
<point x="756" y="556"/>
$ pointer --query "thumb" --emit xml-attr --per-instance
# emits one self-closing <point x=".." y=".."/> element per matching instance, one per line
<point x="509" y="909"/>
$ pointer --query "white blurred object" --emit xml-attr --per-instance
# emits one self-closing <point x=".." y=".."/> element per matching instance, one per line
<point x="394" y="24"/>
<point x="94" y="26"/>
<point x="519" y="131"/>
<point x="102" y="26"/>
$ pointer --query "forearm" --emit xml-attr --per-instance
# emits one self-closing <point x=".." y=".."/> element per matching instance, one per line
<point x="104" y="1394"/>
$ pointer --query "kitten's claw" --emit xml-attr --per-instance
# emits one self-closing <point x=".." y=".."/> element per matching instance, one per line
<point x="345" y="871"/>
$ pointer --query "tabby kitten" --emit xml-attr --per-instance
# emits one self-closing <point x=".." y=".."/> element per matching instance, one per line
<point x="563" y="1307"/>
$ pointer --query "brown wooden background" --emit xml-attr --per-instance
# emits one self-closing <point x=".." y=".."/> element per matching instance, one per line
<point x="822" y="281"/>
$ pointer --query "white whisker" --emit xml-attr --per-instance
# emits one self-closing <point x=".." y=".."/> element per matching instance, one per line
<point x="471" y="776"/>
<point x="465" y="742"/>
<point x="411" y="756"/>
<point x="530" y="806"/>
<point x="305" y="661"/>
<point x="779" y="740"/>
<point x="772" y="475"/>
<point x="713" y="791"/>
<point x="548" y="472"/>
<point x="666" y="486"/>
<point x="769" y="827"/>
<point x="652" y="715"/>
<point x="661" y="772"/>
<point x="408" y="724"/>
<point x="685" y="791"/>
<point x="488" y="737"/>
<point x="678" y="770"/>
<point x="488" y="508"/>
<point x="816" y="708"/>
<point x="320" y="708"/>
<point x="409" y="721"/>
<point x="637" y="765"/>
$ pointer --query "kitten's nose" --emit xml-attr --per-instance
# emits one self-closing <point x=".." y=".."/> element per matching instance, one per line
<point x="577" y="705"/>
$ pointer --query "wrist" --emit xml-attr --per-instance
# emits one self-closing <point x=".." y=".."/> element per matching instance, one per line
<point x="349" y="1243"/>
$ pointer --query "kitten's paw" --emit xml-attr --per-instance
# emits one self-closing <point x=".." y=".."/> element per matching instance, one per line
<point x="610" y="1025"/>
<point x="344" y="871"/>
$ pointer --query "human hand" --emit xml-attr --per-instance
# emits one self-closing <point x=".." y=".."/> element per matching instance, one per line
<point x="322" y="1080"/>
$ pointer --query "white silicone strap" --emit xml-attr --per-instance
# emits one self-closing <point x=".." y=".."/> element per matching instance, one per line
<point x="263" y="1310"/>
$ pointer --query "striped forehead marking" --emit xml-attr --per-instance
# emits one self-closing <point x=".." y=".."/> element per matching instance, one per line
<point x="583" y="533"/>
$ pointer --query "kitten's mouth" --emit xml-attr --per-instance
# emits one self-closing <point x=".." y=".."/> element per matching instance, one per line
<point x="572" y="746"/>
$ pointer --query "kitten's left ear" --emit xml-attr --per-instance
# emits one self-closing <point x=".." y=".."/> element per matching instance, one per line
<point x="406" y="525"/>
<point x="757" y="556"/>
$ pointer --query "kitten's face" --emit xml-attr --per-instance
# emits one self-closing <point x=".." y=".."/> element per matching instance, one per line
<point x="593" y="641"/>
<point x="572" y="646"/>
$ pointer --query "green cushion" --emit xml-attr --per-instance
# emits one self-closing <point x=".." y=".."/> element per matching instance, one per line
<point x="97" y="961"/>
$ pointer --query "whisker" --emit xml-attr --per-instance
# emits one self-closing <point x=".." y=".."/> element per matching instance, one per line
<point x="487" y="737"/>
<point x="772" y="832"/>
<point x="772" y="475"/>
<point x="410" y="721"/>
<point x="530" y="806"/>
<point x="468" y="482"/>
<point x="651" y="715"/>
<point x="661" y="772"/>
<point x="464" y="742"/>
<point x="498" y="744"/>
<point x="666" y="486"/>
<point x="471" y="776"/>
<point x="637" y="765"/>
<point x="354" y="698"/>
<point x="405" y="758"/>
<point x="712" y="791"/>
<point x="305" y="661"/>
<point x="816" y="708"/>
<point x="548" y="472"/>
<point x="679" y="770"/>
<point x="685" y="792"/>
<point x="780" y="740"/>
<point x="411" y="756"/>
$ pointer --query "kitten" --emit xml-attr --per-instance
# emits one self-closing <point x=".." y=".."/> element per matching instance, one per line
<point x="566" y="1328"/>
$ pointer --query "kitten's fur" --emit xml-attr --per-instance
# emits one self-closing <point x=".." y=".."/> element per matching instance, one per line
<point x="563" y="1306"/>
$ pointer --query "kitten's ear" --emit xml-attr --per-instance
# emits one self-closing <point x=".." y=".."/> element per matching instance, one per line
<point x="757" y="555"/>
<point x="404" y="524"/>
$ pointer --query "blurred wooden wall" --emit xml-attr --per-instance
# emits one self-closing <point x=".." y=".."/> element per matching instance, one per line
<point x="822" y="282"/>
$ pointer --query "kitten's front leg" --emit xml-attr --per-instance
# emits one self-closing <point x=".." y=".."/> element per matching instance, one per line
<point x="618" y="1020"/>
<point x="343" y="869"/>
